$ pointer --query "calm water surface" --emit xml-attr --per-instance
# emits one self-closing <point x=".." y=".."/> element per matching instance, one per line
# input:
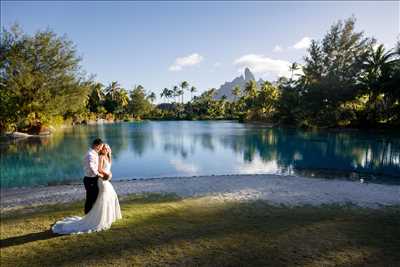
<point x="183" y="148"/>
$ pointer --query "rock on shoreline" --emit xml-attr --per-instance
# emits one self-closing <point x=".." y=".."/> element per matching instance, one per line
<point x="44" y="131"/>
<point x="275" y="189"/>
<point x="19" y="135"/>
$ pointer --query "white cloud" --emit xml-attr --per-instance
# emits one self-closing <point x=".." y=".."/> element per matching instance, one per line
<point x="304" y="43"/>
<point x="189" y="60"/>
<point x="186" y="168"/>
<point x="277" y="48"/>
<point x="263" y="65"/>
<point x="257" y="166"/>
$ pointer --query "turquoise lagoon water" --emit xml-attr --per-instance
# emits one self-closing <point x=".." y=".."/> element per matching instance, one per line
<point x="190" y="148"/>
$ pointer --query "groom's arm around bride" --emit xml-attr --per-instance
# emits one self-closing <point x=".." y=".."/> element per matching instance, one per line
<point x="91" y="164"/>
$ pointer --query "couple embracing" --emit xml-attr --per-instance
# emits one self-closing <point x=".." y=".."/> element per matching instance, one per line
<point x="101" y="205"/>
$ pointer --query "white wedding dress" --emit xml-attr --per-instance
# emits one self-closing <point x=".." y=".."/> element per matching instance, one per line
<point x="104" y="212"/>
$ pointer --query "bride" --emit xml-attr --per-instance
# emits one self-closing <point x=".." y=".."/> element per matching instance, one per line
<point x="104" y="212"/>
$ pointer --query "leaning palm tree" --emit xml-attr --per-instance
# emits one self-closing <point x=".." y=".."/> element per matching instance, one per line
<point x="96" y="96"/>
<point x="98" y="91"/>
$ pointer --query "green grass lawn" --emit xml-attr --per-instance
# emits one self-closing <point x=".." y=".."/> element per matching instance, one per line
<point x="166" y="230"/>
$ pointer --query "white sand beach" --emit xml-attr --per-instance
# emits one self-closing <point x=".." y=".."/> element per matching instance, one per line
<point x="275" y="189"/>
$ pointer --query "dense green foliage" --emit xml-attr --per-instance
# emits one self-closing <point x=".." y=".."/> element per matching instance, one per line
<point x="346" y="80"/>
<point x="40" y="79"/>
<point x="139" y="105"/>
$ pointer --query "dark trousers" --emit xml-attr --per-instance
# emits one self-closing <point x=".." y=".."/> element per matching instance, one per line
<point x="92" y="190"/>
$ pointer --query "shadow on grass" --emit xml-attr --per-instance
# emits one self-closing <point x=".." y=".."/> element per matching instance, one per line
<point x="145" y="198"/>
<point x="19" y="240"/>
<point x="171" y="232"/>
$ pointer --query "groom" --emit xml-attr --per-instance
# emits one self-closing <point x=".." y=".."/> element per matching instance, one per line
<point x="91" y="166"/>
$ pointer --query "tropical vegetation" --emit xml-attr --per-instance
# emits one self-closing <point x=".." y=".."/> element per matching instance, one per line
<point x="347" y="80"/>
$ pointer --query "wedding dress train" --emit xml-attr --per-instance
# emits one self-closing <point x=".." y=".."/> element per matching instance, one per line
<point x="104" y="212"/>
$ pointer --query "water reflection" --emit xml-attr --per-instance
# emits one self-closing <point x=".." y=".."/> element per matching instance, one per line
<point x="156" y="149"/>
<point x="141" y="137"/>
<point x="294" y="149"/>
<point x="186" y="168"/>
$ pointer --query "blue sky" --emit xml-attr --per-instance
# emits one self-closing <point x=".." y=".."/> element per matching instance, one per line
<point x="158" y="44"/>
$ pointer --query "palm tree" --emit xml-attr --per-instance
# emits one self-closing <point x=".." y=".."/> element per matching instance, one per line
<point x="292" y="69"/>
<point x="170" y="93"/>
<point x="175" y="92"/>
<point x="165" y="93"/>
<point x="223" y="99"/>
<point x="184" y="85"/>
<point x="121" y="100"/>
<point x="212" y="92"/>
<point x="192" y="91"/>
<point x="377" y="68"/>
<point x="96" y="97"/>
<point x="113" y="89"/>
<point x="236" y="91"/>
<point x="181" y="92"/>
<point x="98" y="91"/>
<point x="124" y="97"/>
<point x="251" y="88"/>
<point x="111" y="103"/>
<point x="152" y="97"/>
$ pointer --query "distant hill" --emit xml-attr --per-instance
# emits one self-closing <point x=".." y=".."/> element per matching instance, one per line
<point x="226" y="88"/>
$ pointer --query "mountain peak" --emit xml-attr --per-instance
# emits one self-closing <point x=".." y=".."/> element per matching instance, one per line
<point x="226" y="88"/>
<point x="248" y="75"/>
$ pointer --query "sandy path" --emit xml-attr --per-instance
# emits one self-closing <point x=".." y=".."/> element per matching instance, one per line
<point x="275" y="189"/>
